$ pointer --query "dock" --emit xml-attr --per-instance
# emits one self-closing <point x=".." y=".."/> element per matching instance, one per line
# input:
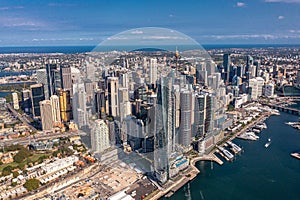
<point x="226" y="153"/>
<point x="235" y="148"/>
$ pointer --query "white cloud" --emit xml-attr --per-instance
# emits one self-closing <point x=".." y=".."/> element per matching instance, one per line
<point x="280" y="17"/>
<point x="137" y="32"/>
<point x="282" y="1"/>
<point x="241" y="4"/>
<point x="254" y="36"/>
<point x="294" y="31"/>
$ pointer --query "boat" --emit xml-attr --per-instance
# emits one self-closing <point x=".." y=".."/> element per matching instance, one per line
<point x="295" y="155"/>
<point x="268" y="143"/>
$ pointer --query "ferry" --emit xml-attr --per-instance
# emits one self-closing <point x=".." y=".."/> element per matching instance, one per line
<point x="268" y="143"/>
<point x="296" y="155"/>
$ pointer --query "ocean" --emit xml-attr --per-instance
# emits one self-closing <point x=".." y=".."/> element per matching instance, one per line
<point x="259" y="173"/>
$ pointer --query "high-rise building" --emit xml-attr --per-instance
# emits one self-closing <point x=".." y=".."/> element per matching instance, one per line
<point x="185" y="133"/>
<point x="26" y="100"/>
<point x="41" y="76"/>
<point x="200" y="106"/>
<point x="226" y="65"/>
<point x="100" y="104"/>
<point x="100" y="136"/>
<point x="65" y="105"/>
<point x="46" y="115"/>
<point x="253" y="89"/>
<point x="15" y="99"/>
<point x="165" y="128"/>
<point x="54" y="99"/>
<point x="260" y="85"/>
<point x="124" y="104"/>
<point x="269" y="90"/>
<point x="79" y="105"/>
<point x="37" y="95"/>
<point x="53" y="78"/>
<point x="153" y="70"/>
<point x="66" y="78"/>
<point x="113" y="99"/>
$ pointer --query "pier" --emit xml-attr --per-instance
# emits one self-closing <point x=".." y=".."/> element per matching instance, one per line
<point x="226" y="153"/>
<point x="235" y="148"/>
<point x="293" y="111"/>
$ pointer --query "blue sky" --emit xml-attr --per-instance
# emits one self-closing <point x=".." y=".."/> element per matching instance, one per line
<point x="74" y="22"/>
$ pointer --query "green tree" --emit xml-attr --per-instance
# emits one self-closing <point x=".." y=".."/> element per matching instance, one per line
<point x="32" y="184"/>
<point x="21" y="155"/>
<point x="7" y="170"/>
<point x="15" y="174"/>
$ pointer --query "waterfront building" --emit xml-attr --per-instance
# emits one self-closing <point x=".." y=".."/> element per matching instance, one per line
<point x="65" y="105"/>
<point x="100" y="136"/>
<point x="253" y="89"/>
<point x="269" y="90"/>
<point x="46" y="115"/>
<point x="113" y="99"/>
<point x="15" y="100"/>
<point x="37" y="95"/>
<point x="55" y="108"/>
<point x="185" y="130"/>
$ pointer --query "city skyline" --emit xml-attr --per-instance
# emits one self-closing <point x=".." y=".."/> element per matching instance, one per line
<point x="63" y="23"/>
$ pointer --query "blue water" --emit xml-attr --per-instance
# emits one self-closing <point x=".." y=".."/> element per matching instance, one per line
<point x="82" y="49"/>
<point x="4" y="74"/>
<point x="259" y="173"/>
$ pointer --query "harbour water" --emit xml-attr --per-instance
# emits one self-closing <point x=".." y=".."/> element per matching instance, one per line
<point x="258" y="173"/>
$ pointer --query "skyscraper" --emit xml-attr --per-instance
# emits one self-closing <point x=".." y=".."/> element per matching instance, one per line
<point x="165" y="128"/>
<point x="79" y="105"/>
<point x="113" y="100"/>
<point x="54" y="99"/>
<point x="100" y="104"/>
<point x="153" y="70"/>
<point x="65" y="105"/>
<point x="66" y="78"/>
<point x="185" y="133"/>
<point x="41" y="76"/>
<point x="15" y="99"/>
<point x="37" y="95"/>
<point x="26" y="100"/>
<point x="200" y="106"/>
<point x="226" y="65"/>
<point x="53" y="78"/>
<point x="46" y="115"/>
<point x="100" y="136"/>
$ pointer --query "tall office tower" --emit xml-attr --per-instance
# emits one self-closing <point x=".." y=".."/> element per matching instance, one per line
<point x="260" y="85"/>
<point x="269" y="90"/>
<point x="252" y="71"/>
<point x="249" y="62"/>
<point x="153" y="71"/>
<point x="53" y="78"/>
<point x="134" y="130"/>
<point x="65" y="105"/>
<point x="100" y="104"/>
<point x="201" y="74"/>
<point x="185" y="133"/>
<point x="176" y="89"/>
<point x="253" y="89"/>
<point x="210" y="67"/>
<point x="257" y="64"/>
<point x="37" y="95"/>
<point x="66" y="78"/>
<point x="240" y="71"/>
<point x="275" y="70"/>
<point x="90" y="72"/>
<point x="15" y="99"/>
<point x="79" y="105"/>
<point x="46" y="115"/>
<point x="165" y="129"/>
<point x="75" y="75"/>
<point x="298" y="77"/>
<point x="124" y="104"/>
<point x="100" y="136"/>
<point x="55" y="108"/>
<point x="90" y="87"/>
<point x="124" y="80"/>
<point x="200" y="106"/>
<point x="113" y="100"/>
<point x="226" y="65"/>
<point x="209" y="114"/>
<point x="212" y="82"/>
<point x="26" y="100"/>
<point x="41" y="76"/>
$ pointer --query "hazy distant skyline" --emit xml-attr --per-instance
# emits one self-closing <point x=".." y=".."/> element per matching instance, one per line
<point x="32" y="23"/>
